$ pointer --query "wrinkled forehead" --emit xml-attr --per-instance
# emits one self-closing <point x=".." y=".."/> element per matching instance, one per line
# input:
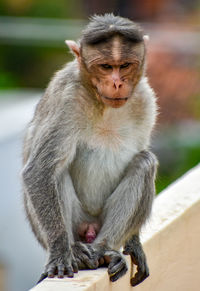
<point x="115" y="50"/>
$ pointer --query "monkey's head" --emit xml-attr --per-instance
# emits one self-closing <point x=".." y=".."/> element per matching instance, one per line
<point x="111" y="57"/>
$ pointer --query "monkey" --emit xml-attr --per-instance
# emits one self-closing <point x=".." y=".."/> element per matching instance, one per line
<point x="88" y="174"/>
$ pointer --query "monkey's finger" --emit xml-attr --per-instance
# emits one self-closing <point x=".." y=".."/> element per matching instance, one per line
<point x="75" y="266"/>
<point x="101" y="261"/>
<point x="142" y="270"/>
<point x="141" y="274"/>
<point x="91" y="263"/>
<point x="88" y="251"/>
<point x="126" y="252"/>
<point x="81" y="265"/>
<point x="51" y="273"/>
<point x="118" y="274"/>
<point x="42" y="277"/>
<point x="138" y="278"/>
<point x="61" y="270"/>
<point x="116" y="266"/>
<point x="89" y="257"/>
<point x="69" y="272"/>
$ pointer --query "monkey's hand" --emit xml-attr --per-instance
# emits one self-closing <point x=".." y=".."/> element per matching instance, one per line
<point x="60" y="265"/>
<point x="138" y="258"/>
<point x="117" y="266"/>
<point x="91" y="256"/>
<point x="85" y="255"/>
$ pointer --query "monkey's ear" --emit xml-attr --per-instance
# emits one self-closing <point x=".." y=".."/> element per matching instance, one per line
<point x="74" y="47"/>
<point x="146" y="39"/>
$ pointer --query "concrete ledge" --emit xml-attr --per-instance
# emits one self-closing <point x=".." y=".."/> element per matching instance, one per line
<point x="171" y="241"/>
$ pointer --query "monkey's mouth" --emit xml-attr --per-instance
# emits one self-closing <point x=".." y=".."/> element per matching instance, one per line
<point x="114" y="102"/>
<point x="116" y="99"/>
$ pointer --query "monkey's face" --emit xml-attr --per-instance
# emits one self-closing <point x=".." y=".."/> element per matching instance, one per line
<point x="114" y="68"/>
<point x="114" y="82"/>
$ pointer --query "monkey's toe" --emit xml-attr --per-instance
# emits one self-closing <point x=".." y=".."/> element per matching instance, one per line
<point x="119" y="273"/>
<point x="85" y="255"/>
<point x="142" y="272"/>
<point x="139" y="278"/>
<point x="134" y="248"/>
<point x="117" y="267"/>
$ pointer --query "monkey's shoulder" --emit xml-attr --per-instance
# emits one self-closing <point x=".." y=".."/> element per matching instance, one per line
<point x="60" y="91"/>
<point x="143" y="107"/>
<point x="68" y="74"/>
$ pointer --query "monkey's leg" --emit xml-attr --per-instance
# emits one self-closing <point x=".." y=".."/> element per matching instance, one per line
<point x="130" y="205"/>
<point x="74" y="216"/>
<point x="134" y="248"/>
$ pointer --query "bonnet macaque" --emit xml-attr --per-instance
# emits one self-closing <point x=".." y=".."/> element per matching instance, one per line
<point x="88" y="174"/>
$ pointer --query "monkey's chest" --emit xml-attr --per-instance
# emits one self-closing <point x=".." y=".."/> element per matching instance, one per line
<point x="99" y="166"/>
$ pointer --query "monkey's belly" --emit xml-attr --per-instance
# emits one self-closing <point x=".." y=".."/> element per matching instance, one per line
<point x="95" y="174"/>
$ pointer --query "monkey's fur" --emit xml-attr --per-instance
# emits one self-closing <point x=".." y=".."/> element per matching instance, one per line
<point x="86" y="163"/>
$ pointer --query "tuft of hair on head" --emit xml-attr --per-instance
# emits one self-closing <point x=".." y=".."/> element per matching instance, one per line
<point x="104" y="27"/>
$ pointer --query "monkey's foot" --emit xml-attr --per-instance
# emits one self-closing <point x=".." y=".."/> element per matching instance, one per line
<point x="117" y="266"/>
<point x="92" y="256"/>
<point x="60" y="265"/>
<point x="85" y="255"/>
<point x="138" y="258"/>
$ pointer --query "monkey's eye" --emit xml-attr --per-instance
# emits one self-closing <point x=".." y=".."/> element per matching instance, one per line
<point x="125" y="65"/>
<point x="106" y="66"/>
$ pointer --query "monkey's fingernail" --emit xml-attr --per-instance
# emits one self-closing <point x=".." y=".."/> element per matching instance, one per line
<point x="60" y="273"/>
<point x="50" y="275"/>
<point x="75" y="270"/>
<point x="70" y="274"/>
<point x="111" y="274"/>
<point x="125" y="253"/>
<point x="113" y="278"/>
<point x="60" y="276"/>
<point x="96" y="263"/>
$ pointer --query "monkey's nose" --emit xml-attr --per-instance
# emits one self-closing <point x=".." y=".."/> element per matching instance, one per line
<point x="117" y="84"/>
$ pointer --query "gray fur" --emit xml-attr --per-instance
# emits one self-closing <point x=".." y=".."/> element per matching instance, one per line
<point x="102" y="28"/>
<point x="84" y="165"/>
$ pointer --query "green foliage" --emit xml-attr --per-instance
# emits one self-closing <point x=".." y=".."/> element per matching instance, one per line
<point x="194" y="105"/>
<point x="43" y="8"/>
<point x="8" y="80"/>
<point x="186" y="157"/>
<point x="29" y="67"/>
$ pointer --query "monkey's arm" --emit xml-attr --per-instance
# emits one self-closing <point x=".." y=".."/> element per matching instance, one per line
<point x="52" y="149"/>
<point x="128" y="208"/>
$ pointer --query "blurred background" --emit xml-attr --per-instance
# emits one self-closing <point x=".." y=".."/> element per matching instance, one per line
<point x="32" y="34"/>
